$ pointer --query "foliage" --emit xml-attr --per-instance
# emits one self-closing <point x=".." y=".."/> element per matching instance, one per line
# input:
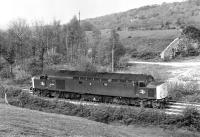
<point x="179" y="90"/>
<point x="114" y="43"/>
<point x="191" y="118"/>
<point x="86" y="65"/>
<point x="147" y="55"/>
<point x="164" y="16"/>
<point x="192" y="32"/>
<point x="76" y="42"/>
<point x="107" y="114"/>
<point x="53" y="59"/>
<point x="10" y="57"/>
<point x="123" y="61"/>
<point x="34" y="67"/>
<point x="87" y="26"/>
<point x="5" y="73"/>
<point x="10" y="91"/>
<point x="21" y="75"/>
<point x="19" y="35"/>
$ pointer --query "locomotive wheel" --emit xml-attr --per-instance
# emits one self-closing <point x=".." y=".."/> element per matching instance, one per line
<point x="107" y="99"/>
<point x="155" y="104"/>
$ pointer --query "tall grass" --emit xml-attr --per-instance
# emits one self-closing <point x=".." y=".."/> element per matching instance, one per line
<point x="183" y="91"/>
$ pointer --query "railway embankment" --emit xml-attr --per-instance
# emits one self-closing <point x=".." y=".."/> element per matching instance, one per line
<point x="105" y="113"/>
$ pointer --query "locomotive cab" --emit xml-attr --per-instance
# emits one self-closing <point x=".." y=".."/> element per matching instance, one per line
<point x="160" y="89"/>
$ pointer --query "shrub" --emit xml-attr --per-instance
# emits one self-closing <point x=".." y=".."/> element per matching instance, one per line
<point x="5" y="73"/>
<point x="53" y="59"/>
<point x="86" y="65"/>
<point x="147" y="55"/>
<point x="133" y="52"/>
<point x="21" y="76"/>
<point x="123" y="61"/>
<point x="11" y="92"/>
<point x="179" y="90"/>
<point x="191" y="118"/>
<point x="34" y="67"/>
<point x="100" y="114"/>
<point x="106" y="114"/>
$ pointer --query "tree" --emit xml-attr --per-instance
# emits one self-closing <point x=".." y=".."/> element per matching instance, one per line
<point x="40" y="41"/>
<point x="96" y="39"/>
<point x="10" y="57"/>
<point x="117" y="47"/>
<point x="87" y="26"/>
<point x="75" y="41"/>
<point x="19" y="37"/>
<point x="191" y="32"/>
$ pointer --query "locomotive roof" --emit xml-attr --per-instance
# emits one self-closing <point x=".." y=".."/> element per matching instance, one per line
<point x="106" y="75"/>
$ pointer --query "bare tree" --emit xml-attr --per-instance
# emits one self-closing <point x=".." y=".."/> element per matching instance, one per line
<point x="19" y="36"/>
<point x="76" y="41"/>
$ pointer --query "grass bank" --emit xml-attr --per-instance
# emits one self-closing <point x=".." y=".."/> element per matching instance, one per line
<point x="106" y="114"/>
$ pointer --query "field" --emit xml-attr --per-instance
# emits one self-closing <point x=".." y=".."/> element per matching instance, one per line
<point x="142" y="40"/>
<point x="185" y="69"/>
<point x="20" y="122"/>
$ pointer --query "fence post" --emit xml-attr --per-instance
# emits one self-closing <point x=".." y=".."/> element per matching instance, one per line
<point x="5" y="96"/>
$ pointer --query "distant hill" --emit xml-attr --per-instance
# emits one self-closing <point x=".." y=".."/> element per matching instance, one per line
<point x="165" y="16"/>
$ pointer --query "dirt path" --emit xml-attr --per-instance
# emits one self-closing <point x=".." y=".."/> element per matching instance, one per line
<point x="173" y="64"/>
<point x="188" y="70"/>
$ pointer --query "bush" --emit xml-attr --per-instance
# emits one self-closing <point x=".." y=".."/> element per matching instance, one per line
<point x="86" y="65"/>
<point x="34" y="67"/>
<point x="100" y="114"/>
<point x="179" y="90"/>
<point x="132" y="52"/>
<point x="11" y="92"/>
<point x="106" y="114"/>
<point x="147" y="55"/>
<point x="21" y="76"/>
<point x="123" y="62"/>
<point x="53" y="59"/>
<point x="191" y="118"/>
<point x="5" y="73"/>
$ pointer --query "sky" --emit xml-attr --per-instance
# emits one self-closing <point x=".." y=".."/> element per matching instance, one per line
<point x="64" y="10"/>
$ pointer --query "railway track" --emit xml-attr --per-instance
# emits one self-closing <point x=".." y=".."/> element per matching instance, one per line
<point x="177" y="108"/>
<point x="172" y="108"/>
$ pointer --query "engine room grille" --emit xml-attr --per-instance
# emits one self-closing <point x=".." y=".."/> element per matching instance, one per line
<point x="151" y="93"/>
<point x="60" y="84"/>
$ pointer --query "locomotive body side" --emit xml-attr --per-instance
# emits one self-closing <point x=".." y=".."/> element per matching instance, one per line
<point x="96" y="87"/>
<point x="142" y="88"/>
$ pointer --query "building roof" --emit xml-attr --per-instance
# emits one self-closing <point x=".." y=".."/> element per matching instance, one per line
<point x="106" y="75"/>
<point x="154" y="84"/>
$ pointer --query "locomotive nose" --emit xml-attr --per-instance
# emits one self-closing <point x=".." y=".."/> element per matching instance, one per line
<point x="161" y="91"/>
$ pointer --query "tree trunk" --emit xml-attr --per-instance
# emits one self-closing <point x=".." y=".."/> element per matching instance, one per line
<point x="11" y="72"/>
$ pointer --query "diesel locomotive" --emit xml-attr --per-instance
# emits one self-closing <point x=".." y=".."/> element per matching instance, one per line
<point x="121" y="88"/>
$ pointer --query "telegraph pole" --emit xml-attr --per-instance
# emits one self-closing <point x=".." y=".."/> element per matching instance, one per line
<point x="79" y="17"/>
<point x="113" y="45"/>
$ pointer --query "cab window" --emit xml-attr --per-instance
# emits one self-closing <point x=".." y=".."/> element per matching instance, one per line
<point x="76" y="78"/>
<point x="142" y="84"/>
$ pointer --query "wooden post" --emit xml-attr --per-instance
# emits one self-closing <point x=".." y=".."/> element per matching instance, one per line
<point x="5" y="96"/>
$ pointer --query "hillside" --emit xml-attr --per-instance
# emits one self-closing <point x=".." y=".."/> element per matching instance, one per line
<point x="141" y="40"/>
<point x="165" y="16"/>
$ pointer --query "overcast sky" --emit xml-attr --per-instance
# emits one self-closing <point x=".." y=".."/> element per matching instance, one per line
<point x="64" y="10"/>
